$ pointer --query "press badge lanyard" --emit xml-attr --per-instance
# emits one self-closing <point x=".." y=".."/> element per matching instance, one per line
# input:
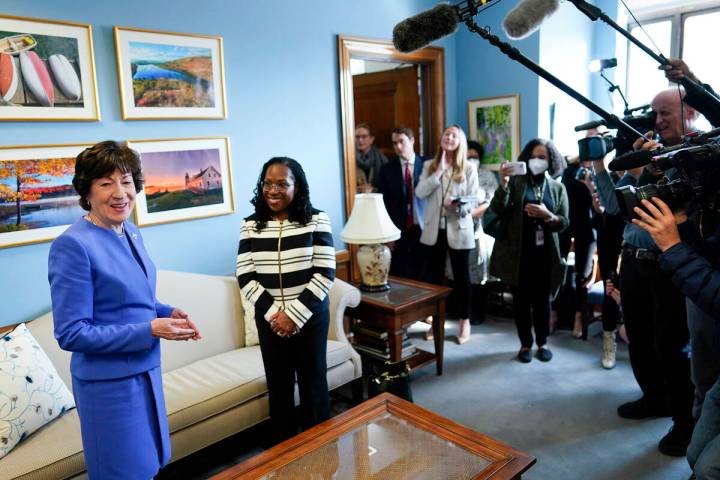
<point x="443" y="216"/>
<point x="539" y="192"/>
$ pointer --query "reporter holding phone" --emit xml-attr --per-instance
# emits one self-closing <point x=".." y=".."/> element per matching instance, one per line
<point x="534" y="209"/>
<point x="449" y="225"/>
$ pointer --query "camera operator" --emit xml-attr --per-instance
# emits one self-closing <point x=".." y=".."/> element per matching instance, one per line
<point x="695" y="270"/>
<point x="675" y="71"/>
<point x="653" y="307"/>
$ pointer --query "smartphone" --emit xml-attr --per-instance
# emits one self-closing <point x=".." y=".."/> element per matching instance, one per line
<point x="517" y="168"/>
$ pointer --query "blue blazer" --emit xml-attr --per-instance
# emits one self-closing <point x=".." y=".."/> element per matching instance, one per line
<point x="103" y="301"/>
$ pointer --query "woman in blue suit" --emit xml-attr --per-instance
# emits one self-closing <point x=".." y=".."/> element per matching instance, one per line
<point x="102" y="284"/>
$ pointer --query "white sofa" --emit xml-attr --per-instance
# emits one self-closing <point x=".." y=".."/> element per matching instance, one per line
<point x="214" y="388"/>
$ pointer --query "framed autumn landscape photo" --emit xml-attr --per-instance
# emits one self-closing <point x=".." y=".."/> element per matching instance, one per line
<point x="37" y="199"/>
<point x="185" y="179"/>
<point x="164" y="75"/>
<point x="47" y="71"/>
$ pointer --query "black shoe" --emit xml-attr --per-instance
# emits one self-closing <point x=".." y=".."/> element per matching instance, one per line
<point x="641" y="408"/>
<point x="524" y="356"/>
<point x="544" y="354"/>
<point x="676" y="442"/>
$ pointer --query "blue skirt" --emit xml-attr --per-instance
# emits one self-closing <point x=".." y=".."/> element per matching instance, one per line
<point x="123" y="423"/>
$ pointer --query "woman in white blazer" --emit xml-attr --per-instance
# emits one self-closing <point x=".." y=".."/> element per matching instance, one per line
<point x="449" y="185"/>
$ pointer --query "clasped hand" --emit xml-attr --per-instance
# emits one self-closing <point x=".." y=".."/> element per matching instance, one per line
<point x="282" y="325"/>
<point x="177" y="327"/>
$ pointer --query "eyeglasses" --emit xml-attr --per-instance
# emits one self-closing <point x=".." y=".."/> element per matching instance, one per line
<point x="280" y="187"/>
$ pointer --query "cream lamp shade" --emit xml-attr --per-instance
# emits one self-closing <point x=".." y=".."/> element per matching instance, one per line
<point x="370" y="227"/>
<point x="369" y="222"/>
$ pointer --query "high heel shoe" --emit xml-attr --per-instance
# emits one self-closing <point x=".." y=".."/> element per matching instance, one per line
<point x="464" y="331"/>
<point x="578" y="328"/>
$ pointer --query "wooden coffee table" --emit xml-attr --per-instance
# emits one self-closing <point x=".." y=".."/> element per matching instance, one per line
<point x="386" y="438"/>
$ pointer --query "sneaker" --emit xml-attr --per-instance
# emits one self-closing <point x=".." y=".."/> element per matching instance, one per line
<point x="676" y="441"/>
<point x="641" y="408"/>
<point x="524" y="355"/>
<point x="544" y="354"/>
<point x="609" y="348"/>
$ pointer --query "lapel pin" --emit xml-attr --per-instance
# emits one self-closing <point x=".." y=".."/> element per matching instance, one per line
<point x="134" y="235"/>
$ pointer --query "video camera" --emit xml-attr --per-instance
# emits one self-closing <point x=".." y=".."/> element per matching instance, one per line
<point x="596" y="147"/>
<point x="697" y="162"/>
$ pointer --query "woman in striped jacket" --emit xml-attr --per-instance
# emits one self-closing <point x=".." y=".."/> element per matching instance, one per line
<point x="285" y="267"/>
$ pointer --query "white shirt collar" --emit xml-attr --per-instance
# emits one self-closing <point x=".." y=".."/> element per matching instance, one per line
<point x="411" y="161"/>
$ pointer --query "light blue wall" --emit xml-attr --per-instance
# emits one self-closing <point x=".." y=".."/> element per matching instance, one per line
<point x="283" y="99"/>
<point x="484" y="71"/>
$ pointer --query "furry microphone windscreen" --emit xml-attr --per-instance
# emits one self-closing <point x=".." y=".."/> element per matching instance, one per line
<point x="420" y="30"/>
<point x="526" y="17"/>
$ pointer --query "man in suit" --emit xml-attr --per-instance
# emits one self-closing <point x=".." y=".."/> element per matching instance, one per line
<point x="396" y="180"/>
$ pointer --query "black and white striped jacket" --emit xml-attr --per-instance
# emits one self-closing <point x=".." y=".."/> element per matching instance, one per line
<point x="286" y="266"/>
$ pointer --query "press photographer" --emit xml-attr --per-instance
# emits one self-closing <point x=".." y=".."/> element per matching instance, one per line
<point x="654" y="309"/>
<point x="694" y="269"/>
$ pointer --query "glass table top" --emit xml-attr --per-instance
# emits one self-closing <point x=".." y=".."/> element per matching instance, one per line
<point x="398" y="293"/>
<point x="388" y="447"/>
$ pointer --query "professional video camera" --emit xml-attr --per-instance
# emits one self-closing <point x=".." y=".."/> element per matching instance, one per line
<point x="697" y="182"/>
<point x="596" y="147"/>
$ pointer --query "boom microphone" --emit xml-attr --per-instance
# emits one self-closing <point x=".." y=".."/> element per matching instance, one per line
<point x="630" y="160"/>
<point x="526" y="17"/>
<point x="426" y="27"/>
<point x="589" y="125"/>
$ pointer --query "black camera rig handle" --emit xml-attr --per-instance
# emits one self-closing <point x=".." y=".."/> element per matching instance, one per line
<point x="612" y="121"/>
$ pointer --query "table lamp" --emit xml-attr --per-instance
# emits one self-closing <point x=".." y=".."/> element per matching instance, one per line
<point x="370" y="227"/>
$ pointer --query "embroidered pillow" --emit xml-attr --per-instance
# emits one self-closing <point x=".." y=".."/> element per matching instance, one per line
<point x="251" y="334"/>
<point x="32" y="394"/>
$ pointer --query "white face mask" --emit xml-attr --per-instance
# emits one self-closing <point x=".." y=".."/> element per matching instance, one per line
<point x="537" y="165"/>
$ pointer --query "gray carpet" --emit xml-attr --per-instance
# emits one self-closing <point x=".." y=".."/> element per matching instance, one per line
<point x="562" y="412"/>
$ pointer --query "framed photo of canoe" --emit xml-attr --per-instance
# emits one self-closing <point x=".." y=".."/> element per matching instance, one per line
<point x="164" y="75"/>
<point x="495" y="123"/>
<point x="47" y="71"/>
<point x="37" y="199"/>
<point x="185" y="179"/>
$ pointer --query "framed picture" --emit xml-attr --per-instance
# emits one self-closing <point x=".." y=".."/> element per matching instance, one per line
<point x="47" y="71"/>
<point x="495" y="123"/>
<point x="185" y="179"/>
<point x="37" y="199"/>
<point x="165" y="75"/>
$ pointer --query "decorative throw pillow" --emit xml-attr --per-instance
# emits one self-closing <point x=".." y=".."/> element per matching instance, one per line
<point x="32" y="394"/>
<point x="251" y="334"/>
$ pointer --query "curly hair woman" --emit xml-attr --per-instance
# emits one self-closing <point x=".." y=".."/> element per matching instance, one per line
<point x="285" y="267"/>
<point x="534" y="209"/>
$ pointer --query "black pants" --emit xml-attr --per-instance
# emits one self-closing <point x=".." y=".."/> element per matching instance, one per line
<point x="459" y="261"/>
<point x="584" y="250"/>
<point x="656" y="324"/>
<point x="531" y="298"/>
<point x="304" y="355"/>
<point x="406" y="254"/>
<point x="609" y="242"/>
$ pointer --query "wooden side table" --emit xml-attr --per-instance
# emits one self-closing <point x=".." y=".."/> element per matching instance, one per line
<point x="406" y="302"/>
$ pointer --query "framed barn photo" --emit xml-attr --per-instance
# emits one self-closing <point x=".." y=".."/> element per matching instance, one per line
<point x="37" y="199"/>
<point x="165" y="75"/>
<point x="47" y="71"/>
<point x="495" y="123"/>
<point x="185" y="179"/>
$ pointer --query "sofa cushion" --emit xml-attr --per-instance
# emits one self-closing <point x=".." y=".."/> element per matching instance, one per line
<point x="251" y="333"/>
<point x="32" y="392"/>
<point x="212" y="385"/>
<point x="337" y="353"/>
<point x="54" y="451"/>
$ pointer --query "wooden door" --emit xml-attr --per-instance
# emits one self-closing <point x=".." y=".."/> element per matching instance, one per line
<point x="385" y="100"/>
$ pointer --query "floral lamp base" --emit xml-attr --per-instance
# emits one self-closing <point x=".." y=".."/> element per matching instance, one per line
<point x="374" y="263"/>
